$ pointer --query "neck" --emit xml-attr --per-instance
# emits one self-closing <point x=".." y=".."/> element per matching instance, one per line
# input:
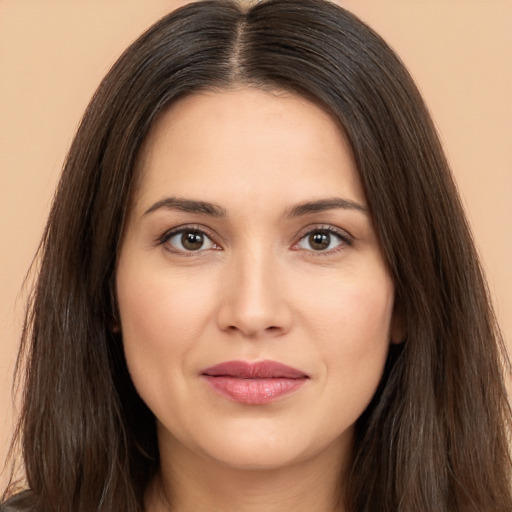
<point x="196" y="483"/>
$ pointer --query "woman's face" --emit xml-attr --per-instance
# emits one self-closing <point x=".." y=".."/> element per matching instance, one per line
<point x="256" y="309"/>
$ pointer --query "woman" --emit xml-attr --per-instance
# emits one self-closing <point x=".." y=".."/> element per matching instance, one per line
<point x="258" y="290"/>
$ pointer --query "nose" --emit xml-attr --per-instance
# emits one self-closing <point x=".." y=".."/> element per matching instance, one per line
<point x="255" y="301"/>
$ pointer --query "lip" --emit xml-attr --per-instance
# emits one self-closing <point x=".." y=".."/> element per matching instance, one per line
<point x="254" y="383"/>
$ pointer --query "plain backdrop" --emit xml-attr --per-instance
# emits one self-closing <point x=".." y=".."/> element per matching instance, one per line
<point x="54" y="53"/>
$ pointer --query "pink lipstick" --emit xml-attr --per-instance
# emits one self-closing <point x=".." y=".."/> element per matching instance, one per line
<point x="254" y="383"/>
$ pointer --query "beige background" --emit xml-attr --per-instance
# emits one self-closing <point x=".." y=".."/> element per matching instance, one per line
<point x="54" y="53"/>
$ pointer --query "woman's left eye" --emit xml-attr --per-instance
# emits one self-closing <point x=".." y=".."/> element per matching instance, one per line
<point x="322" y="240"/>
<point x="189" y="240"/>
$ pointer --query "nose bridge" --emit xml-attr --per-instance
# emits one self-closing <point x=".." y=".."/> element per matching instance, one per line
<point x="255" y="302"/>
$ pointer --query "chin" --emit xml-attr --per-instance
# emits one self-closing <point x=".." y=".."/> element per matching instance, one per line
<point x="259" y="451"/>
<point x="257" y="459"/>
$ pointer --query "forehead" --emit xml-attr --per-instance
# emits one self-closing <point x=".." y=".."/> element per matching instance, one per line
<point x="246" y="143"/>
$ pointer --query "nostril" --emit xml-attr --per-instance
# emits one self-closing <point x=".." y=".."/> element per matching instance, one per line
<point x="252" y="316"/>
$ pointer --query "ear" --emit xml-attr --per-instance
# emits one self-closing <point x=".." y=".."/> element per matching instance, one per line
<point x="397" y="331"/>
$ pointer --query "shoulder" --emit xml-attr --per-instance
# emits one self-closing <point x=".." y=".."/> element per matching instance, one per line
<point x="21" y="502"/>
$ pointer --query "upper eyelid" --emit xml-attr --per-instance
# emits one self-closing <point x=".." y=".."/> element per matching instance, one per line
<point x="343" y="233"/>
<point x="186" y="227"/>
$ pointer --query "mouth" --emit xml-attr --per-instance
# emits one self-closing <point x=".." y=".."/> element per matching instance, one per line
<point x="254" y="383"/>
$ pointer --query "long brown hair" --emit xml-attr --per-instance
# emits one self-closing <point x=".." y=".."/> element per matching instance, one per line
<point x="435" y="436"/>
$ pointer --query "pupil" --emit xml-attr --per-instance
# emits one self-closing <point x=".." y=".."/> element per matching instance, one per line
<point x="319" y="240"/>
<point x="192" y="241"/>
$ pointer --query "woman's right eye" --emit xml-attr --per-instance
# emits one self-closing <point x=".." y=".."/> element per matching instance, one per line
<point x="189" y="240"/>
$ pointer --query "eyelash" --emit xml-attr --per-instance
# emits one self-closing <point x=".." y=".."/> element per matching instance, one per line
<point x="190" y="228"/>
<point x="344" y="238"/>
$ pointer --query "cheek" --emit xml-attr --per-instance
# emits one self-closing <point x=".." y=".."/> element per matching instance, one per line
<point x="353" y="336"/>
<point x="162" y="317"/>
<point x="355" y="314"/>
<point x="157" y="308"/>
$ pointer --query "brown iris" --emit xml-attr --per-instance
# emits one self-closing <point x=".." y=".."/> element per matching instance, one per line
<point x="192" y="240"/>
<point x="319" y="240"/>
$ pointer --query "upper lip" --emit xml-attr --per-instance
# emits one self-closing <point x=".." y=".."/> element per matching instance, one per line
<point x="254" y="370"/>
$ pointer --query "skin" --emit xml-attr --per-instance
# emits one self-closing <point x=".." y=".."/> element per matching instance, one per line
<point x="256" y="289"/>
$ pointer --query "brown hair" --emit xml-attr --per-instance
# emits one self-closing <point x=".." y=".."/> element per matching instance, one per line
<point x="435" y="436"/>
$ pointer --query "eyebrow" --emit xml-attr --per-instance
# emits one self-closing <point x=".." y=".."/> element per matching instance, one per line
<point x="323" y="205"/>
<point x="214" y="210"/>
<point x="188" y="206"/>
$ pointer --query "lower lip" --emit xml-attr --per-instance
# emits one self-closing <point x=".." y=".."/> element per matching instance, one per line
<point x="254" y="391"/>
